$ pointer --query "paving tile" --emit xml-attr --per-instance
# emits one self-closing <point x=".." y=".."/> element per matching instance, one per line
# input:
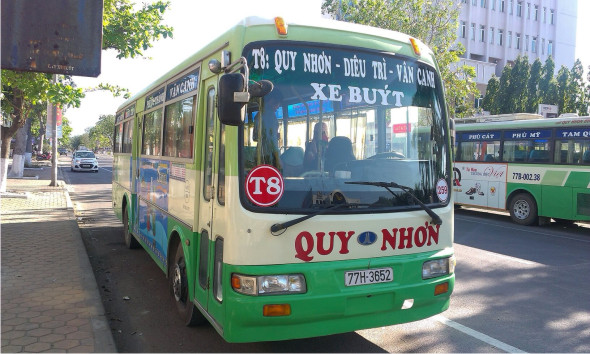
<point x="37" y="347"/>
<point x="12" y="348"/>
<point x="41" y="285"/>
<point x="52" y="338"/>
<point x="52" y="324"/>
<point x="13" y="335"/>
<point x="39" y="332"/>
<point x="26" y="326"/>
<point x="67" y="344"/>
<point x="24" y="341"/>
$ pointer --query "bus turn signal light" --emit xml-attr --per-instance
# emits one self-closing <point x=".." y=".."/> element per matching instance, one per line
<point x="415" y="46"/>
<point x="281" y="26"/>
<point x="441" y="288"/>
<point x="276" y="310"/>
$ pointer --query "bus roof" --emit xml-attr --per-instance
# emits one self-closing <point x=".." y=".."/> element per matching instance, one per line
<point x="359" y="35"/>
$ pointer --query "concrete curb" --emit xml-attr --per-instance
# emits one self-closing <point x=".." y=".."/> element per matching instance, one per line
<point x="103" y="337"/>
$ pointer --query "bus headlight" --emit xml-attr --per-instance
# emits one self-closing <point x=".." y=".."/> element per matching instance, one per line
<point x="269" y="284"/>
<point x="438" y="267"/>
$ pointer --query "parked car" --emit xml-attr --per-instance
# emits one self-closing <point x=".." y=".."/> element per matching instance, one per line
<point x="62" y="151"/>
<point x="84" y="161"/>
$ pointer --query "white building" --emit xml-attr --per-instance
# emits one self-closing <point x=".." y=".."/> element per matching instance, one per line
<point x="495" y="32"/>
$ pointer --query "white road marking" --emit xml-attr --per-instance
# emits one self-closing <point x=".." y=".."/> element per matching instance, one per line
<point x="478" y="335"/>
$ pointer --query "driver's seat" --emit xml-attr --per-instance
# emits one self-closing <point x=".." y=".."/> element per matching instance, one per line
<point x="339" y="151"/>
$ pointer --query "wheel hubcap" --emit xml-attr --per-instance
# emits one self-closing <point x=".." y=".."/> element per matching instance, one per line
<point x="521" y="209"/>
<point x="177" y="282"/>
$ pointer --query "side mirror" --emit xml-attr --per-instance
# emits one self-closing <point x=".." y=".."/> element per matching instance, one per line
<point x="232" y="99"/>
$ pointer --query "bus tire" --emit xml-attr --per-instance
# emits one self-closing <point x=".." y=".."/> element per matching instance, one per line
<point x="178" y="280"/>
<point x="523" y="209"/>
<point x="130" y="240"/>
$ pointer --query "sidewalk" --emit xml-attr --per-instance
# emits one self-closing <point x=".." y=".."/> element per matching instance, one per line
<point x="50" y="300"/>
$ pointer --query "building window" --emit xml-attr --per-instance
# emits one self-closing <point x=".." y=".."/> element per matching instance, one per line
<point x="536" y="14"/>
<point x="518" y="41"/>
<point x="491" y="35"/>
<point x="543" y="46"/>
<point x="472" y="34"/>
<point x="534" y="45"/>
<point x="552" y="16"/>
<point x="528" y="10"/>
<point x="463" y="29"/>
<point x="550" y="48"/>
<point x="493" y="4"/>
<point x="519" y="9"/>
<point x="474" y="2"/>
<point x="511" y="7"/>
<point x="502" y="4"/>
<point x="544" y="15"/>
<point x="500" y="37"/>
<point x="509" y="39"/>
<point x="482" y="33"/>
<point x="483" y="4"/>
<point x="526" y="43"/>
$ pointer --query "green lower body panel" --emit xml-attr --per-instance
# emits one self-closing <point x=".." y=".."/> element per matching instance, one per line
<point x="330" y="307"/>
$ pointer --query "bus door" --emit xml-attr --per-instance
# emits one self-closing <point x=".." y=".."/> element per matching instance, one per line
<point x="204" y="284"/>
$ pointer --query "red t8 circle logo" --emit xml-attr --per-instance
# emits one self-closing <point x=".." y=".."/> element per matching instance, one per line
<point x="264" y="185"/>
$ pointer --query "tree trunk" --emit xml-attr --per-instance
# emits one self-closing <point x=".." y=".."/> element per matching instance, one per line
<point x="7" y="133"/>
<point x="18" y="155"/>
<point x="29" y="144"/>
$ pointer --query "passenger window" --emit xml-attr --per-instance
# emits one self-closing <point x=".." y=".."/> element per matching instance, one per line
<point x="209" y="143"/>
<point x="152" y="131"/>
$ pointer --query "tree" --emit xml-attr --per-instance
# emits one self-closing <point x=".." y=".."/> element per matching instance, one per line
<point x="578" y="91"/>
<point x="533" y="98"/>
<point x="129" y="31"/>
<point x="516" y="93"/>
<point x="489" y="100"/>
<point x="21" y="91"/>
<point x="502" y="101"/>
<point x="124" y="29"/>
<point x="547" y="84"/>
<point x="432" y="21"/>
<point x="101" y="135"/>
<point x="563" y="83"/>
<point x="66" y="131"/>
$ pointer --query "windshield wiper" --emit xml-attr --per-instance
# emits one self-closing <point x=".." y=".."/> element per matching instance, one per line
<point x="409" y="191"/>
<point x="282" y="226"/>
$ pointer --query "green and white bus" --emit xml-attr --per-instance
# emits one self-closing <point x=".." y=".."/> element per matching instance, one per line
<point x="267" y="230"/>
<point x="535" y="168"/>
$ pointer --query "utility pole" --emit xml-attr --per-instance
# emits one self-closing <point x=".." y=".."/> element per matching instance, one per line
<point x="54" y="141"/>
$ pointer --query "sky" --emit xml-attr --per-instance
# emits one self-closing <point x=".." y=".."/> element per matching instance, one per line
<point x="193" y="31"/>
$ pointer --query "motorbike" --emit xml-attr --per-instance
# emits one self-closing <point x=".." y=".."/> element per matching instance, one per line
<point x="44" y="156"/>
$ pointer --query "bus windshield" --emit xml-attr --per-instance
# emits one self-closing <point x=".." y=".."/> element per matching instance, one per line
<point x="338" y="115"/>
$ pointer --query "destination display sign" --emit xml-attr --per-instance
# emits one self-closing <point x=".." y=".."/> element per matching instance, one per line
<point x="349" y="76"/>
<point x="583" y="133"/>
<point x="527" y="134"/>
<point x="154" y="99"/>
<point x="183" y="85"/>
<point x="479" y="136"/>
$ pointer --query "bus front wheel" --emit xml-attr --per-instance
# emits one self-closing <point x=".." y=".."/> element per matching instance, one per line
<point x="523" y="209"/>
<point x="130" y="241"/>
<point x="179" y="288"/>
